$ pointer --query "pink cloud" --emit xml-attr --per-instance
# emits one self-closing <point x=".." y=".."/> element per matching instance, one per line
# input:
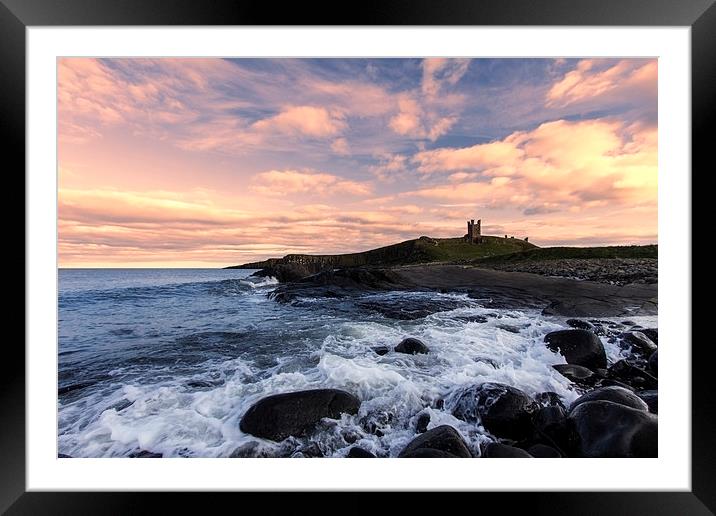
<point x="590" y="81"/>
<point x="305" y="120"/>
<point x="286" y="182"/>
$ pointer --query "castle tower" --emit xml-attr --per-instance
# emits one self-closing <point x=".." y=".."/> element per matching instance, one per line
<point x="474" y="234"/>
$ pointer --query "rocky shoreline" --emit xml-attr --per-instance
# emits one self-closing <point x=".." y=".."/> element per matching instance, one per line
<point x="616" y="415"/>
<point x="612" y="271"/>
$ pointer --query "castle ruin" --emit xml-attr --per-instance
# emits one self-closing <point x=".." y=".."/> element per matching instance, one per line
<point x="474" y="235"/>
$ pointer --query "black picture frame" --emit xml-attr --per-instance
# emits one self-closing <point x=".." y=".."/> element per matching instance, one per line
<point x="17" y="15"/>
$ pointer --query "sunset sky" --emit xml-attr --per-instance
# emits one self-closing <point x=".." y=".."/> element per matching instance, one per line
<point x="213" y="162"/>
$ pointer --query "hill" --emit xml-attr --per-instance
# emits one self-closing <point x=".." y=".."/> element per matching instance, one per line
<point x="565" y="253"/>
<point x="419" y="250"/>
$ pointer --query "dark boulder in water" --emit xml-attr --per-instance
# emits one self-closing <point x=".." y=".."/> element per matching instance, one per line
<point x="652" y="333"/>
<point x="359" y="453"/>
<point x="252" y="449"/>
<point x="63" y="456"/>
<point x="651" y="398"/>
<point x="503" y="410"/>
<point x="612" y="394"/>
<point x="295" y="413"/>
<point x="381" y="350"/>
<point x="579" y="347"/>
<point x="625" y="371"/>
<point x="144" y="454"/>
<point x="422" y="423"/>
<point x="550" y="424"/>
<point x="543" y="451"/>
<point x="549" y="399"/>
<point x="504" y="451"/>
<point x="654" y="362"/>
<point x="576" y="374"/>
<point x="411" y="346"/>
<point x="580" y="324"/>
<point x="638" y="342"/>
<point x="442" y="438"/>
<point x="607" y="429"/>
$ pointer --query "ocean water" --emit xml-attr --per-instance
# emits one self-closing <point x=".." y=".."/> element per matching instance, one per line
<point x="167" y="361"/>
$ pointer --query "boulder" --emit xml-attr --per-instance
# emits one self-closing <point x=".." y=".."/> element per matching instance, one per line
<point x="428" y="453"/>
<point x="625" y="371"/>
<point x="654" y="362"/>
<point x="550" y="424"/>
<point x="251" y="449"/>
<point x="579" y="347"/>
<point x="144" y="454"/>
<point x="421" y="425"/>
<point x="442" y="438"/>
<point x="295" y="413"/>
<point x="503" y="410"/>
<point x="612" y="394"/>
<point x="652" y="333"/>
<point x="411" y="346"/>
<point x="359" y="453"/>
<point x="543" y="451"/>
<point x="576" y="374"/>
<point x="607" y="429"/>
<point x="549" y="399"/>
<point x="651" y="398"/>
<point x="638" y="342"/>
<point x="381" y="350"/>
<point x="504" y="451"/>
<point x="580" y="324"/>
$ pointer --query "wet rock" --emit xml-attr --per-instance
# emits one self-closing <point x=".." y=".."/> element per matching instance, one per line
<point x="549" y="399"/>
<point x="607" y="429"/>
<point x="428" y="453"/>
<point x="144" y="454"/>
<point x="652" y="334"/>
<point x="503" y="410"/>
<point x="377" y="421"/>
<point x="381" y="350"/>
<point x="579" y="347"/>
<point x="651" y="398"/>
<point x="411" y="346"/>
<point x="295" y="413"/>
<point x="63" y="456"/>
<point x="357" y="452"/>
<point x="612" y="394"/>
<point x="550" y="424"/>
<point x="576" y="374"/>
<point x="580" y="324"/>
<point x="200" y="384"/>
<point x="309" y="451"/>
<point x="422" y="423"/>
<point x="654" y="362"/>
<point x="625" y="371"/>
<point x="252" y="449"/>
<point x="287" y="272"/>
<point x="638" y="342"/>
<point x="442" y="438"/>
<point x="504" y="451"/>
<point x="543" y="451"/>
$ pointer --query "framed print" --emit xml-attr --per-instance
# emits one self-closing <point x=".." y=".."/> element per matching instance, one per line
<point x="422" y="232"/>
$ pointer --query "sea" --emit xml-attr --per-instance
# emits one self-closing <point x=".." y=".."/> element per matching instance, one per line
<point x="164" y="362"/>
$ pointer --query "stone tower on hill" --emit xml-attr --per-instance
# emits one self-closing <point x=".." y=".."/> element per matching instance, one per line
<point x="473" y="232"/>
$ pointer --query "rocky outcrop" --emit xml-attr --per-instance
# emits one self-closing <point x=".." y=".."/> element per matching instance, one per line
<point x="607" y="429"/>
<point x="411" y="346"/>
<point x="503" y="410"/>
<point x="295" y="413"/>
<point x="437" y="442"/>
<point x="579" y="347"/>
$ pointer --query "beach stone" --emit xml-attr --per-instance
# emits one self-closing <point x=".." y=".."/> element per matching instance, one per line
<point x="579" y="347"/>
<point x="381" y="350"/>
<point x="639" y="342"/>
<point x="295" y="413"/>
<point x="252" y="449"/>
<point x="429" y="453"/>
<point x="625" y="371"/>
<point x="651" y="398"/>
<point x="504" y="451"/>
<point x="551" y="422"/>
<point x="549" y="399"/>
<point x="607" y="429"/>
<point x="580" y="324"/>
<point x="652" y="333"/>
<point x="612" y="394"/>
<point x="503" y="410"/>
<point x="359" y="453"/>
<point x="422" y="423"/>
<point x="144" y="454"/>
<point x="576" y="374"/>
<point x="411" y="346"/>
<point x="543" y="451"/>
<point x="654" y="362"/>
<point x="443" y="438"/>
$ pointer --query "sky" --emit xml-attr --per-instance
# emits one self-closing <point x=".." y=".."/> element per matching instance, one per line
<point x="197" y="162"/>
